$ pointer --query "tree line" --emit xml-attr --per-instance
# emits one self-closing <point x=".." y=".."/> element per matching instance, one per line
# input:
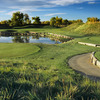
<point x="19" y="19"/>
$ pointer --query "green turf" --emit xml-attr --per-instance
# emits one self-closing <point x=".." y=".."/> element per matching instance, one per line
<point x="97" y="55"/>
<point x="8" y="50"/>
<point x="91" y="39"/>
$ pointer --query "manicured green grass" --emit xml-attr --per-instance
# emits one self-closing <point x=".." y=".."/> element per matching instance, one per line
<point x="97" y="55"/>
<point x="8" y="50"/>
<point x="91" y="39"/>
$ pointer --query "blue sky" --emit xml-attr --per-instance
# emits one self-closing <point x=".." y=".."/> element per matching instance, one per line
<point x="67" y="9"/>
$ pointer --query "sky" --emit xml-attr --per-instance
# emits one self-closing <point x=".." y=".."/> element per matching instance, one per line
<point x="45" y="9"/>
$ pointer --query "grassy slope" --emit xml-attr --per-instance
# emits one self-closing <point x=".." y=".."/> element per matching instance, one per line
<point x="97" y="55"/>
<point x="89" y="28"/>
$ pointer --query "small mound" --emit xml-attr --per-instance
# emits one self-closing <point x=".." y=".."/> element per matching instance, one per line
<point x="73" y="26"/>
<point x="88" y="28"/>
<point x="8" y="50"/>
<point x="97" y="55"/>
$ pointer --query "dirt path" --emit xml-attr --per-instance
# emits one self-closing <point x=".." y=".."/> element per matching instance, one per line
<point x="82" y="64"/>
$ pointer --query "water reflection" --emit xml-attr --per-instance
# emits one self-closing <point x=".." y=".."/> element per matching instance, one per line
<point x="27" y="39"/>
<point x="19" y="39"/>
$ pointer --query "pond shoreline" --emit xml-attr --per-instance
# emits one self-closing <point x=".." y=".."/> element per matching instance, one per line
<point x="55" y="37"/>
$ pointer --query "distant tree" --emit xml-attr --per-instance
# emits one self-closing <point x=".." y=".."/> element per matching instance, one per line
<point x="65" y="22"/>
<point x="46" y="22"/>
<point x="4" y="22"/>
<point x="92" y="19"/>
<point x="80" y="20"/>
<point x="17" y="19"/>
<point x="36" y="20"/>
<point x="52" y="21"/>
<point x="26" y="19"/>
<point x="58" y="21"/>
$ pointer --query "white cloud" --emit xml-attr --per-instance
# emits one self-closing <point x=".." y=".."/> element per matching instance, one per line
<point x="27" y="10"/>
<point x="26" y="4"/>
<point x="68" y="2"/>
<point x="53" y="14"/>
<point x="92" y="2"/>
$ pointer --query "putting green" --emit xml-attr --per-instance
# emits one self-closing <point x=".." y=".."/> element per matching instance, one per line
<point x="13" y="50"/>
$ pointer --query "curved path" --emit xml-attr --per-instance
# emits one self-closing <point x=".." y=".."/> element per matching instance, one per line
<point x="83" y="65"/>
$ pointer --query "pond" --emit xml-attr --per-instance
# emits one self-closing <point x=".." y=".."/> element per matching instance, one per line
<point x="27" y="39"/>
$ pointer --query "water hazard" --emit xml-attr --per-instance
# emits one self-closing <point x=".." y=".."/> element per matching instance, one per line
<point x="27" y="39"/>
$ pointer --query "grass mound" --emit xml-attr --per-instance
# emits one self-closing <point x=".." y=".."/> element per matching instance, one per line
<point x="8" y="50"/>
<point x="88" y="28"/>
<point x="97" y="55"/>
<point x="74" y="26"/>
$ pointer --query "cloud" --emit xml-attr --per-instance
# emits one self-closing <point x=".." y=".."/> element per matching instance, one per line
<point x="68" y="2"/>
<point x="26" y="10"/>
<point x="53" y="14"/>
<point x="39" y="3"/>
<point x="92" y="2"/>
<point x="29" y="6"/>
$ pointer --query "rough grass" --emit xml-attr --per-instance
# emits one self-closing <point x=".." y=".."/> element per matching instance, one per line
<point x="89" y="28"/>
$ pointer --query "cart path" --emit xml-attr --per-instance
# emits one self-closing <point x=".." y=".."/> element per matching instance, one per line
<point x="83" y="65"/>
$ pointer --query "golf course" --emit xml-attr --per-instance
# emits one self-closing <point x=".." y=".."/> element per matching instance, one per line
<point x="38" y="71"/>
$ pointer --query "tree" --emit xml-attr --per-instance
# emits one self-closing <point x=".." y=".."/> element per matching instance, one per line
<point x="58" y="21"/>
<point x="17" y="19"/>
<point x="26" y="19"/>
<point x="4" y="22"/>
<point x="80" y="20"/>
<point x="36" y="20"/>
<point x="46" y="22"/>
<point x="92" y="19"/>
<point x="52" y="21"/>
<point x="65" y="22"/>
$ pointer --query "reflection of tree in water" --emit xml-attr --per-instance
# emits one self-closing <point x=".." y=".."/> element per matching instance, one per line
<point x="35" y="37"/>
<point x="20" y="39"/>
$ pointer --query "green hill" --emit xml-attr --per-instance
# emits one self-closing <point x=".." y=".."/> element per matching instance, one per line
<point x="87" y="28"/>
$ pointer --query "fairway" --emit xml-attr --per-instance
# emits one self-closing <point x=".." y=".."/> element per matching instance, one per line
<point x="91" y="39"/>
<point x="8" y="50"/>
